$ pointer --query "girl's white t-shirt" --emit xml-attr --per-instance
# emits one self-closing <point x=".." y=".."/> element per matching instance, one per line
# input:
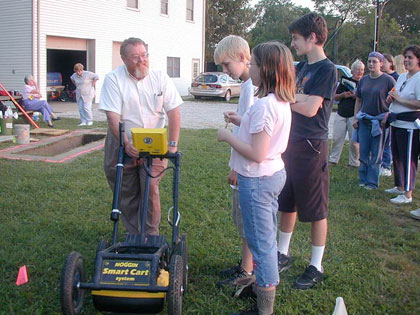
<point x="407" y="89"/>
<point x="274" y="117"/>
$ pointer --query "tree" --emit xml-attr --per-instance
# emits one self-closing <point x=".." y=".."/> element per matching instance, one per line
<point x="338" y="12"/>
<point x="406" y="13"/>
<point x="226" y="17"/>
<point x="274" y="19"/>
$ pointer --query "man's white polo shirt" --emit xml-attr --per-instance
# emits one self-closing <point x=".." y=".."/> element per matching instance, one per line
<point x="141" y="104"/>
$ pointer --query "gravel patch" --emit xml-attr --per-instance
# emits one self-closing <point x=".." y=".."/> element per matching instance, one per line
<point x="194" y="115"/>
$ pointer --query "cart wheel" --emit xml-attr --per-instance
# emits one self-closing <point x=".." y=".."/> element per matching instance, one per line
<point x="175" y="286"/>
<point x="182" y="249"/>
<point x="73" y="273"/>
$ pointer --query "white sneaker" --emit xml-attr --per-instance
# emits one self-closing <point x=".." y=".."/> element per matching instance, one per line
<point x="82" y="124"/>
<point x="401" y="199"/>
<point x="385" y="172"/>
<point x="90" y="123"/>
<point x="394" y="190"/>
<point x="415" y="214"/>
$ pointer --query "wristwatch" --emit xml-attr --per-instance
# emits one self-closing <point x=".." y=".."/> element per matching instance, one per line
<point x="172" y="143"/>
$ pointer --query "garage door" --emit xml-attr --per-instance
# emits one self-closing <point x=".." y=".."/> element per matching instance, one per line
<point x="66" y="43"/>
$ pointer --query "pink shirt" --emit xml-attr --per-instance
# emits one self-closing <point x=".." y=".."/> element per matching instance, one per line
<point x="274" y="117"/>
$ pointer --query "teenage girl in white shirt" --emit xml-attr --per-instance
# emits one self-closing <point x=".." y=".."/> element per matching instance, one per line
<point x="256" y="157"/>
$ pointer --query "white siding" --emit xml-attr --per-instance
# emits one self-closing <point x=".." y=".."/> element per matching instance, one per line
<point x="107" y="21"/>
<point x="15" y="42"/>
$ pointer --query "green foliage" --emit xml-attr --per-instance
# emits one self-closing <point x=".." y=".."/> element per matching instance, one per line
<point x="226" y="17"/>
<point x="351" y="26"/>
<point x="276" y="15"/>
<point x="372" y="258"/>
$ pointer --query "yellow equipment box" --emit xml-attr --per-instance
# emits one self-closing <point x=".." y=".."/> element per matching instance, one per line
<point x="154" y="141"/>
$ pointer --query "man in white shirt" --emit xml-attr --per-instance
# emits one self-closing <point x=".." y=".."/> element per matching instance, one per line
<point x="140" y="98"/>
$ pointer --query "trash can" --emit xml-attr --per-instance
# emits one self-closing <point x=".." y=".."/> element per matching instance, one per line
<point x="6" y="126"/>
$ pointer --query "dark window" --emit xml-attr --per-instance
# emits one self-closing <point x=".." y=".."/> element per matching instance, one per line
<point x="164" y="7"/>
<point x="190" y="10"/>
<point x="173" y="67"/>
<point x="133" y="4"/>
<point x="206" y="78"/>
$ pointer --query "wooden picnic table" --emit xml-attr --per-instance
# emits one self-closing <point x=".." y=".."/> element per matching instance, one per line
<point x="7" y="98"/>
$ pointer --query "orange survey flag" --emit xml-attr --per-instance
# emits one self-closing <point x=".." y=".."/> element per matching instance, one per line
<point x="22" y="276"/>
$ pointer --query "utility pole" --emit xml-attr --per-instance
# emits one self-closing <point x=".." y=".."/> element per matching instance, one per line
<point x="376" y="41"/>
<point x="380" y="5"/>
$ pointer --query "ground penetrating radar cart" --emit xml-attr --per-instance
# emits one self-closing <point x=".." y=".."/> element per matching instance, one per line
<point x="138" y="274"/>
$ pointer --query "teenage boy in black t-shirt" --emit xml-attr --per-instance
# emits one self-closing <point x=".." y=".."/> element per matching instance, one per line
<point x="306" y="158"/>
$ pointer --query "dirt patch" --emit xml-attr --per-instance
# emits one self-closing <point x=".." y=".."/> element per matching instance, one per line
<point x="59" y="149"/>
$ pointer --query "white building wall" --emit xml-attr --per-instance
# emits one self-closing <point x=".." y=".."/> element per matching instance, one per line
<point x="15" y="42"/>
<point x="106" y="21"/>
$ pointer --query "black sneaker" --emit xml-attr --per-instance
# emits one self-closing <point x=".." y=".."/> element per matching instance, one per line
<point x="310" y="278"/>
<point x="227" y="273"/>
<point x="244" y="288"/>
<point x="284" y="261"/>
<point x="252" y="311"/>
<point x="240" y="278"/>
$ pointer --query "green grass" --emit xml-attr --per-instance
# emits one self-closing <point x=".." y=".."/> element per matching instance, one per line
<point x="372" y="258"/>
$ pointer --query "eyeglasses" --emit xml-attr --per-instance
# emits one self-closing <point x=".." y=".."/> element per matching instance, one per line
<point x="141" y="57"/>
<point x="403" y="85"/>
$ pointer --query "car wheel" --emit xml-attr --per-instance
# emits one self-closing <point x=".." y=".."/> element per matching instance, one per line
<point x="227" y="96"/>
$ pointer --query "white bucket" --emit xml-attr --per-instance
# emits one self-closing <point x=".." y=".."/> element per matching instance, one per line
<point x="22" y="133"/>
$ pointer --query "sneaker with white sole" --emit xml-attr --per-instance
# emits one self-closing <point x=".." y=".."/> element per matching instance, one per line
<point x="415" y="214"/>
<point x="385" y="172"/>
<point x="394" y="190"/>
<point x="82" y="124"/>
<point x="310" y="278"/>
<point x="90" y="123"/>
<point x="401" y="199"/>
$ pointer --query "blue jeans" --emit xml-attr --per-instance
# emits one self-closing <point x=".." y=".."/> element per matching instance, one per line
<point x="387" y="155"/>
<point x="259" y="205"/>
<point x="371" y="149"/>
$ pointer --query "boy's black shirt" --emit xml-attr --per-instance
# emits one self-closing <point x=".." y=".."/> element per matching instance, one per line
<point x="320" y="79"/>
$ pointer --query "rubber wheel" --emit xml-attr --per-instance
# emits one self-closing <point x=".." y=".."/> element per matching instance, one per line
<point x="175" y="286"/>
<point x="227" y="96"/>
<point x="72" y="298"/>
<point x="182" y="250"/>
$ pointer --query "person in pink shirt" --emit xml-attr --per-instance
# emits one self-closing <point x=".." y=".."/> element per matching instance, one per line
<point x="257" y="158"/>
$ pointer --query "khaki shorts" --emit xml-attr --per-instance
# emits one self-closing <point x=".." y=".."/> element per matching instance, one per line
<point x="236" y="213"/>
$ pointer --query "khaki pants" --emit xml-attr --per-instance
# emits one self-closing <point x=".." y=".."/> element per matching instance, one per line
<point x="341" y="127"/>
<point x="132" y="190"/>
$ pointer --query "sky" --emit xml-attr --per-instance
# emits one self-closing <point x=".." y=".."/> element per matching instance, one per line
<point x="302" y="3"/>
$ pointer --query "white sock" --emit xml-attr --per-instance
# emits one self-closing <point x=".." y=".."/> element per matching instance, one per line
<point x="316" y="259"/>
<point x="284" y="242"/>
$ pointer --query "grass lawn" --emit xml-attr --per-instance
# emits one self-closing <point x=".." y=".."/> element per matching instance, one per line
<point x="372" y="258"/>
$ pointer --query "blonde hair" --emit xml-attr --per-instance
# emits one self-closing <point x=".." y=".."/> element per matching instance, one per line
<point x="277" y="71"/>
<point x="78" y="66"/>
<point x="231" y="47"/>
<point x="356" y="63"/>
<point x="399" y="64"/>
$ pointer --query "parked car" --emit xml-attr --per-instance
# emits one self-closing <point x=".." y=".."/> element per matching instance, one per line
<point x="216" y="84"/>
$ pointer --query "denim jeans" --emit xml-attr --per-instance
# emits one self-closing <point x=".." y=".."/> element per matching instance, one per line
<point x="371" y="149"/>
<point x="259" y="205"/>
<point x="387" y="155"/>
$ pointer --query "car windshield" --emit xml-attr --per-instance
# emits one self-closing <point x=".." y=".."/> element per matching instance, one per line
<point x="207" y="78"/>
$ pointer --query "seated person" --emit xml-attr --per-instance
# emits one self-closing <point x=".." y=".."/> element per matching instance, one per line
<point x="32" y="101"/>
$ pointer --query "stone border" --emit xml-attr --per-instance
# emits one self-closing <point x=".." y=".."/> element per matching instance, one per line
<point x="12" y="153"/>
